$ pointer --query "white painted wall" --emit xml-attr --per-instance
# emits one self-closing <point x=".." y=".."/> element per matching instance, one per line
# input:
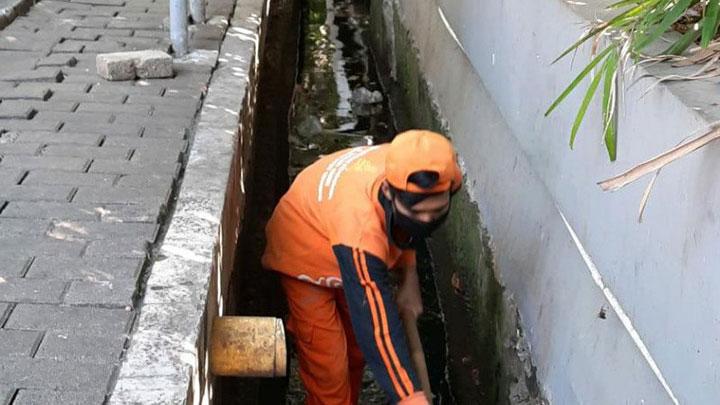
<point x="493" y="80"/>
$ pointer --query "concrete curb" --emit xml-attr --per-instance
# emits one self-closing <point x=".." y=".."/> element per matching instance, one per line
<point x="166" y="362"/>
<point x="15" y="9"/>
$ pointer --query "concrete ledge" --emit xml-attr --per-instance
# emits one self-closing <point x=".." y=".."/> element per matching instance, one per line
<point x="166" y="362"/>
<point x="11" y="9"/>
<point x="567" y="251"/>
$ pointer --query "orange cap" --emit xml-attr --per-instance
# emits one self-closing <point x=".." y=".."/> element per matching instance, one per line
<point x="419" y="150"/>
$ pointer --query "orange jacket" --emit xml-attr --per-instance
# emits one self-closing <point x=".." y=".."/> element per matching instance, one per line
<point x="329" y="229"/>
<point x="332" y="202"/>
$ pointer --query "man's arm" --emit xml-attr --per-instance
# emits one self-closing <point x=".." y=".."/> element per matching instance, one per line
<point x="409" y="298"/>
<point x="378" y="329"/>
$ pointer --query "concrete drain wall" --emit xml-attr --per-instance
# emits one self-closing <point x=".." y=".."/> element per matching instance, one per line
<point x="187" y="288"/>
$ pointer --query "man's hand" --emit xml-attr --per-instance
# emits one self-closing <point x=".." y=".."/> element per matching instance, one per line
<point x="409" y="299"/>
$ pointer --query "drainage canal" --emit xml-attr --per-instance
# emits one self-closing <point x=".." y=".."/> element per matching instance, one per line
<point x="319" y="92"/>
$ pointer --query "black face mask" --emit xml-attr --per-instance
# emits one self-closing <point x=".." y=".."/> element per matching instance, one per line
<point x="417" y="230"/>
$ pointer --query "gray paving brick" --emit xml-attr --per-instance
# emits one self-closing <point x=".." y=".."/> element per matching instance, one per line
<point x="8" y="110"/>
<point x="169" y="133"/>
<point x="67" y="106"/>
<point x="166" y="102"/>
<point x="109" y="294"/>
<point x="104" y="129"/>
<point x="154" y="181"/>
<point x="90" y="320"/>
<point x="82" y="348"/>
<point x="42" y="74"/>
<point x="175" y="110"/>
<point x="89" y="152"/>
<point x="74" y="230"/>
<point x="36" y="291"/>
<point x="103" y="46"/>
<point x="124" y="248"/>
<point x="11" y="227"/>
<point x="54" y="375"/>
<point x="142" y="143"/>
<point x="58" y="138"/>
<point x="6" y="394"/>
<point x="82" y="117"/>
<point x="44" y="162"/>
<point x="57" y="60"/>
<point x="93" y="22"/>
<point x="139" y="44"/>
<point x="18" y="342"/>
<point x="120" y="167"/>
<point x="30" y="149"/>
<point x="40" y="246"/>
<point x="10" y="176"/>
<point x="38" y="177"/>
<point x="29" y="125"/>
<point x="136" y="109"/>
<point x="121" y="195"/>
<point x="129" y="88"/>
<point x="35" y="397"/>
<point x="13" y="266"/>
<point x="92" y="34"/>
<point x="100" y="2"/>
<point x="5" y="311"/>
<point x="136" y="25"/>
<point x="88" y="97"/>
<point x="69" y="46"/>
<point x="173" y="124"/>
<point x="22" y="94"/>
<point x="90" y="269"/>
<point x="53" y="87"/>
<point x="149" y="213"/>
<point x="151" y="34"/>
<point x="35" y="193"/>
<point x="51" y="210"/>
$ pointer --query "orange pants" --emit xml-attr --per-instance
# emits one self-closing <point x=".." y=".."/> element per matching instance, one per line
<point x="331" y="364"/>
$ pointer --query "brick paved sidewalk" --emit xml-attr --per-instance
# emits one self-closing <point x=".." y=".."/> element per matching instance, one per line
<point x="87" y="170"/>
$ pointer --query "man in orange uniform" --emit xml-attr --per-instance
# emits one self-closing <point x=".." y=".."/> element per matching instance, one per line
<point x="346" y="221"/>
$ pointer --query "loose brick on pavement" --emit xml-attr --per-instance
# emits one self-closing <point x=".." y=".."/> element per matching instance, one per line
<point x="55" y="375"/>
<point x="108" y="294"/>
<point x="18" y="343"/>
<point x="90" y="269"/>
<point x="34" y="397"/>
<point x="34" y="291"/>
